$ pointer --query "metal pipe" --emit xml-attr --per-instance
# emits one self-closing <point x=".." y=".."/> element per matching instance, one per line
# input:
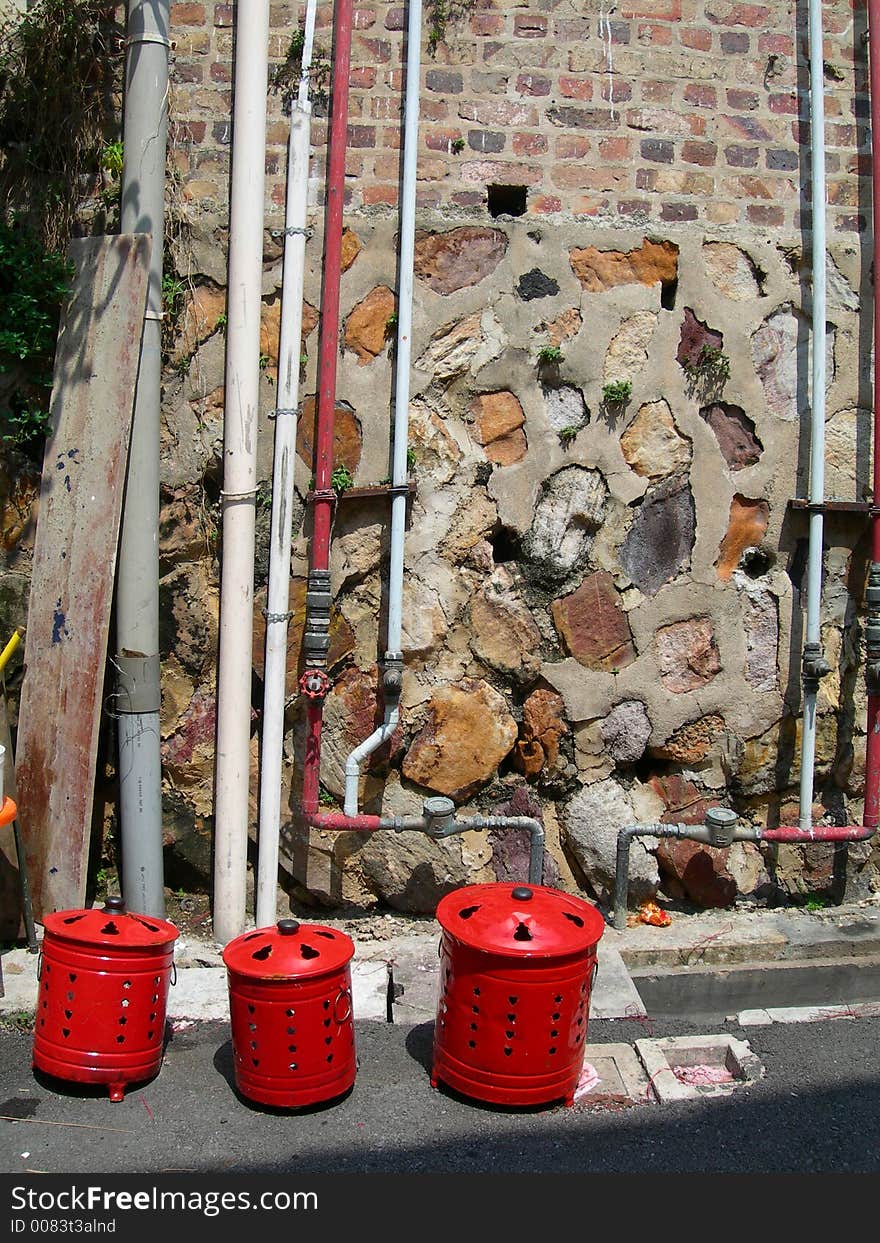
<point x="232" y="763"/>
<point x="710" y="835"/>
<point x="871" y="814"/>
<point x="145" y="127"/>
<point x="814" y="666"/>
<point x="316" y="638"/>
<point x="278" y="592"/>
<point x="439" y="821"/>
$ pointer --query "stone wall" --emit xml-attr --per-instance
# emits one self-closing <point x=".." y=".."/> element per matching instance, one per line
<point x="602" y="609"/>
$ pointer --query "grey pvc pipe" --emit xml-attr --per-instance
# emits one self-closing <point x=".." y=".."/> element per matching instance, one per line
<point x="533" y="827"/>
<point x="137" y="580"/>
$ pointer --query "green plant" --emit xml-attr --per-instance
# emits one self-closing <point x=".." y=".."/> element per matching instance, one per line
<point x="457" y="146"/>
<point x="550" y="356"/>
<point x="390" y="325"/>
<point x="567" y="435"/>
<point x="617" y="392"/>
<point x="816" y="903"/>
<point x="325" y="798"/>
<point x="710" y="371"/>
<point x="285" y="78"/>
<point x="221" y="323"/>
<point x="439" y="14"/>
<point x="34" y="284"/>
<point x="113" y="158"/>
<point x="17" y="1021"/>
<point x="341" y="479"/>
<point x="61" y="68"/>
<point x="410" y="461"/>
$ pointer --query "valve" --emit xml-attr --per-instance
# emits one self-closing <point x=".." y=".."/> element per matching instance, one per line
<point x="814" y="665"/>
<point x="314" y="684"/>
<point x="439" y="814"/>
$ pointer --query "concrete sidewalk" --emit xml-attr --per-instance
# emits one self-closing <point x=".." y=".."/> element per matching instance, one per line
<point x="754" y="960"/>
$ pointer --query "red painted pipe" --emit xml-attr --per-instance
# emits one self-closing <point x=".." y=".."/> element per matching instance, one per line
<point x="324" y="499"/>
<point x="334" y="821"/>
<point x="871" y="814"/>
<point x="821" y="833"/>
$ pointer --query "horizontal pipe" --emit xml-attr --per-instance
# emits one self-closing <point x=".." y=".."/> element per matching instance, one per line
<point x="702" y="833"/>
<point x="336" y="822"/>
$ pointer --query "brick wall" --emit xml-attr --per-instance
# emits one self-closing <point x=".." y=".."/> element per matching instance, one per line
<point x="663" y="111"/>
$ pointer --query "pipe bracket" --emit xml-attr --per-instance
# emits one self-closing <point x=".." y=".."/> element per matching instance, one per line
<point x="279" y="410"/>
<point x="137" y="684"/>
<point x="294" y="230"/>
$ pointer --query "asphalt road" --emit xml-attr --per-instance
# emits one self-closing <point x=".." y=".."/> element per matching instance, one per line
<point x="816" y="1110"/>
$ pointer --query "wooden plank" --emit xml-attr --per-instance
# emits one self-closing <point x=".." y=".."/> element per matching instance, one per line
<point x="74" y="565"/>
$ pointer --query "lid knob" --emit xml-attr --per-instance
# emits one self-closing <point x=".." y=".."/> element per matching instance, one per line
<point x="114" y="905"/>
<point x="287" y="927"/>
<point x="522" y="893"/>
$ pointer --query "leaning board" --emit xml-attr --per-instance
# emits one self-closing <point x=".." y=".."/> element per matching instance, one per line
<point x="84" y="467"/>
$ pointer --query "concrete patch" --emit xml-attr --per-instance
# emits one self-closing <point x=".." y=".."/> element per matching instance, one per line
<point x="620" y="1074"/>
<point x="807" y="1014"/>
<point x="663" y="1058"/>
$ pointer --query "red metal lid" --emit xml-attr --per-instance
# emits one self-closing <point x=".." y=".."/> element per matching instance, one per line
<point x="288" y="950"/>
<point x="520" y="921"/>
<point x="110" y="926"/>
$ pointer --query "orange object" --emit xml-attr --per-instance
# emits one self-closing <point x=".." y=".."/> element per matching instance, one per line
<point x="650" y="913"/>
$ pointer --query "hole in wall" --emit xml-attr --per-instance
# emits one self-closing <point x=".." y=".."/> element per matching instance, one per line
<point x="668" y="292"/>
<point x="506" y="200"/>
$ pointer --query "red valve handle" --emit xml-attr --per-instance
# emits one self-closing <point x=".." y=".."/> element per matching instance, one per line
<point x="315" y="684"/>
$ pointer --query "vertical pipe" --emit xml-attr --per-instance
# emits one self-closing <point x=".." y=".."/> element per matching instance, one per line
<point x="232" y="762"/>
<point x="871" y="815"/>
<point x="812" y="649"/>
<point x="277" y="617"/>
<point x="403" y="356"/>
<point x="137" y="586"/>
<point x="316" y="637"/>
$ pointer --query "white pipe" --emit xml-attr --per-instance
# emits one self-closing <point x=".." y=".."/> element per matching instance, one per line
<point x="232" y="764"/>
<point x="817" y="411"/>
<point x="401" y="390"/>
<point x="277" y="617"/>
<point x="137" y="695"/>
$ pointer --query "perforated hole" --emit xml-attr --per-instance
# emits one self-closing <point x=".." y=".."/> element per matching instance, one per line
<point x="120" y="1040"/>
<point x="475" y="1009"/>
<point x="156" y="980"/>
<point x="252" y="936"/>
<point x="42" y="1022"/>
<point x="153" y="1016"/>
<point x="262" y="954"/>
<point x="110" y="929"/>
<point x="256" y="1061"/>
<point x="125" y="983"/>
<point x="474" y="1027"/>
<point x="149" y="1035"/>
<point x="70" y="996"/>
<point x="154" y="998"/>
<point x="558" y="998"/>
<point x="328" y="1040"/>
<point x="251" y="1009"/>
<point x="554" y="1032"/>
<point x="507" y="1050"/>
<point x="328" y="936"/>
<point x="467" y="911"/>
<point x="252" y="1027"/>
<point x="552" y="1048"/>
<point x="326" y="1005"/>
<point x="65" y="1032"/>
<point x="575" y="919"/>
<point x="329" y="1057"/>
<point x="472" y="1044"/>
<point x="522" y="933"/>
<point x="509" y="1035"/>
<point x="555" y="1017"/>
<point x="291" y="1031"/>
<point x="513" y="1000"/>
<point x="122" y="1021"/>
<point x="289" y="1013"/>
<point x="476" y="992"/>
<point x="72" y="919"/>
<point x="309" y="951"/>
<point x="68" y="1014"/>
<point x="291" y="1048"/>
<point x="292" y="1066"/>
<point x="511" y="1018"/>
<point x="72" y="978"/>
<point x="125" y="1002"/>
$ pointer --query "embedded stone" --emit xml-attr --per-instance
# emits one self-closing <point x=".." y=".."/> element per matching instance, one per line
<point x="411" y="872"/>
<point x="781" y="355"/>
<point x="761" y="625"/>
<point x="659" y="543"/>
<point x="684" y="802"/>
<point x="543" y="726"/>
<point x="187" y="754"/>
<point x="773" y="759"/>
<point x="692" y="742"/>
<point x="687" y="654"/>
<point x="653" y="445"/>
<point x="694" y="338"/>
<point x="746" y="527"/>
<point x="182" y="533"/>
<point x="468" y="733"/>
<point x="626" y="730"/>
<point x="567" y="515"/>
<point x="697" y="872"/>
<point x="651" y="263"/>
<point x="366" y="329"/>
<point x="536" y="284"/>
<point x="498" y="426"/>
<point x="19" y="500"/>
<point x="424" y="622"/>
<point x="270" y="329"/>
<point x="466" y="345"/>
<point x="565" y="406"/>
<point x="511" y="847"/>
<point x="352" y="711"/>
<point x="590" y="826"/>
<point x="735" y="433"/>
<point x="627" y="351"/>
<point x="188" y="617"/>
<point x="503" y="632"/>
<point x="593" y="626"/>
<point x="347" y="436"/>
<point x="847" y="471"/>
<point x="201" y="315"/>
<point x="458" y="258"/>
<point x="351" y="248"/>
<point x="564" y="326"/>
<point x="731" y="270"/>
